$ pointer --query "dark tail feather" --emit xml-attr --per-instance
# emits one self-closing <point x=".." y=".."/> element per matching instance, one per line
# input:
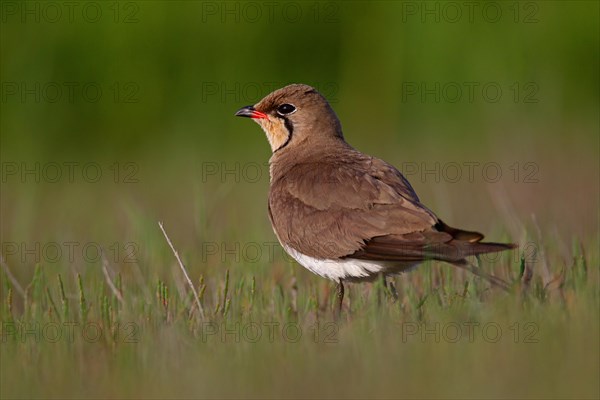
<point x="469" y="242"/>
<point x="473" y="249"/>
<point x="459" y="234"/>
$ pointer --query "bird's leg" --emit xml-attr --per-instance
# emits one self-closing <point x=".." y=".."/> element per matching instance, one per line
<point x="392" y="288"/>
<point x="380" y="288"/>
<point x="340" y="297"/>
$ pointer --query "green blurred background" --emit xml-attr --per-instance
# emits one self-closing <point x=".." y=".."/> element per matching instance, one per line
<point x="146" y="91"/>
<point x="171" y="75"/>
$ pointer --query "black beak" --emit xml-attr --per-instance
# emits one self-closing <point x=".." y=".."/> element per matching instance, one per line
<point x="245" y="112"/>
<point x="250" y="112"/>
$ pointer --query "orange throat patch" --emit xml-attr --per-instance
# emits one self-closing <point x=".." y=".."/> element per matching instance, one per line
<point x="276" y="132"/>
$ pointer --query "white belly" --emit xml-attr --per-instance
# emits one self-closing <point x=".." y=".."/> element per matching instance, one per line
<point x="339" y="269"/>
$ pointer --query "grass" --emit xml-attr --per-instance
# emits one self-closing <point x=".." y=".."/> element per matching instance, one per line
<point x="103" y="334"/>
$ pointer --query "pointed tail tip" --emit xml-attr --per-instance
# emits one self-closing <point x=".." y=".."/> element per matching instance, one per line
<point x="488" y="247"/>
<point x="500" y="246"/>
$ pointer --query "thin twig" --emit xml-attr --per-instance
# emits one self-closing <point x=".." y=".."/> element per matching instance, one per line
<point x="183" y="270"/>
<point x="490" y="278"/>
<point x="109" y="280"/>
<point x="13" y="280"/>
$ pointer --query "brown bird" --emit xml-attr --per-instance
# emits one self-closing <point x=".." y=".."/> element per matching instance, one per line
<point x="340" y="213"/>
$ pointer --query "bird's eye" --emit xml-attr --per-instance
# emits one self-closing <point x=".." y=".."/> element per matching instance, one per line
<point x="286" y="109"/>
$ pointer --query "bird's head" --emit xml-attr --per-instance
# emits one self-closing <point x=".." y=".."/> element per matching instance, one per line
<point x="294" y="114"/>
